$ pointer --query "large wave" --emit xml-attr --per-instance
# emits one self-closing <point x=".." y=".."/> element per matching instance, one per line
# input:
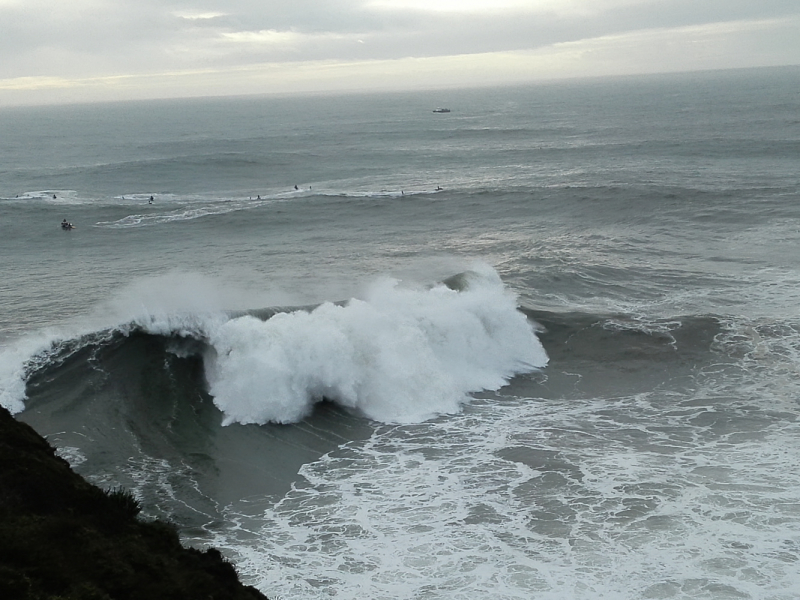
<point x="398" y="354"/>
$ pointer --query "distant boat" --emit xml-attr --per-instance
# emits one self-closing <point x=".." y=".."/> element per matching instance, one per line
<point x="441" y="110"/>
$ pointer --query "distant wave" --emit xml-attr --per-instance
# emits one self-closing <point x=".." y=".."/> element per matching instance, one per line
<point x="397" y="355"/>
<point x="183" y="214"/>
<point x="57" y="197"/>
<point x="189" y="209"/>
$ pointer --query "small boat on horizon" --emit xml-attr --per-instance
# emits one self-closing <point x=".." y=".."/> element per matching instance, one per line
<point x="441" y="110"/>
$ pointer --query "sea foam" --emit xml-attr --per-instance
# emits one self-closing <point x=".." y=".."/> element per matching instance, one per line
<point x="398" y="355"/>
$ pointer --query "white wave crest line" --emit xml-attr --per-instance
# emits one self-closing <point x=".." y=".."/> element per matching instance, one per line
<point x="185" y="215"/>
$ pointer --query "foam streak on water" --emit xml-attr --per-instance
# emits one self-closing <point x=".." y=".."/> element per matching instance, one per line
<point x="680" y="493"/>
<point x="540" y="501"/>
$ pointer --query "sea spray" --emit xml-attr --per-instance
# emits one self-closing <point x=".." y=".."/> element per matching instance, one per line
<point x="399" y="355"/>
<point x="13" y="371"/>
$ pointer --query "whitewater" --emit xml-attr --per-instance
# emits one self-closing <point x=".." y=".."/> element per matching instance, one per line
<point x="543" y="346"/>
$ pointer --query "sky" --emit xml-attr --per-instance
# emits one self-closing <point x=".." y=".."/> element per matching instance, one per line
<point x="53" y="51"/>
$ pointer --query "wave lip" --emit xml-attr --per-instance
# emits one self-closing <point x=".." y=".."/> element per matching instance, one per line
<point x="399" y="355"/>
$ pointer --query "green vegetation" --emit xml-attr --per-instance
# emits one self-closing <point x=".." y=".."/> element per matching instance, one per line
<point x="62" y="538"/>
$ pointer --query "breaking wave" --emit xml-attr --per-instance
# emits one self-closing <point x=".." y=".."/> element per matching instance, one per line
<point x="397" y="355"/>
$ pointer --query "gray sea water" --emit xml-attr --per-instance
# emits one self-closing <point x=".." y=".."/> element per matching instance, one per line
<point x="543" y="346"/>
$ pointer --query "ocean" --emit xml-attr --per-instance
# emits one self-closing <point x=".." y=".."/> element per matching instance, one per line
<point x="544" y="346"/>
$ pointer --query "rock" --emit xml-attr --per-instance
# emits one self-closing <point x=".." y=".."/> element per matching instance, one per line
<point x="63" y="538"/>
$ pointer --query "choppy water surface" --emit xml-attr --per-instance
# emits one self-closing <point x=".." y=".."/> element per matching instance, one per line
<point x="543" y="346"/>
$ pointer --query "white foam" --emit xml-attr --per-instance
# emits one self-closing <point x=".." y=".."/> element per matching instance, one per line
<point x="398" y="355"/>
<point x="19" y="357"/>
<point x="188" y="209"/>
<point x="13" y="361"/>
<point x="55" y="197"/>
<point x="184" y="214"/>
<point x="450" y="509"/>
<point x="72" y="455"/>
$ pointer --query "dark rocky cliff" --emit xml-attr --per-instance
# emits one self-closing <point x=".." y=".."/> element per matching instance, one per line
<point x="63" y="538"/>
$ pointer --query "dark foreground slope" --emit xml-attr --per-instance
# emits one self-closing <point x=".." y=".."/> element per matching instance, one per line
<point x="61" y="537"/>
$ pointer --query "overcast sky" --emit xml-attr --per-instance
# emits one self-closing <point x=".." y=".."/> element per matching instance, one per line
<point x="82" y="50"/>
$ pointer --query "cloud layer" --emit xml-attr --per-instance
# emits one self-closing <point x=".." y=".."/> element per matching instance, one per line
<point x="84" y="44"/>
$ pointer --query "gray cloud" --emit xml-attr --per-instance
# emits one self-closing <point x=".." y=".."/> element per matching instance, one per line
<point x="350" y="31"/>
<point x="94" y="38"/>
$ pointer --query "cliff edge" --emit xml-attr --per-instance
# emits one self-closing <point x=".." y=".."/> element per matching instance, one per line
<point x="62" y="538"/>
